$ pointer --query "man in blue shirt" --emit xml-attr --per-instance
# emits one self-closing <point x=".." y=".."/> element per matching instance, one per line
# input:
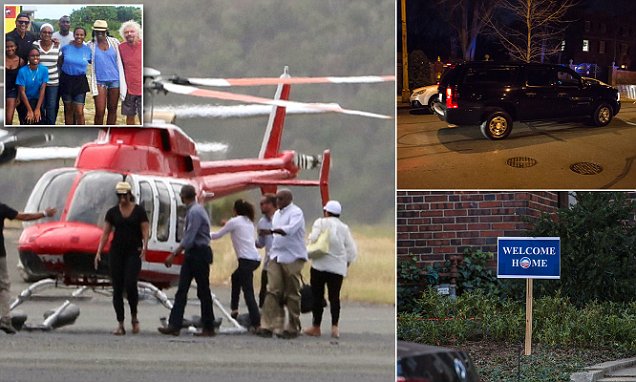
<point x="196" y="264"/>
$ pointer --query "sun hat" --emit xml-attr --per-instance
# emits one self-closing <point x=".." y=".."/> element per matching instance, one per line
<point x="100" y="25"/>
<point x="333" y="207"/>
<point x="122" y="188"/>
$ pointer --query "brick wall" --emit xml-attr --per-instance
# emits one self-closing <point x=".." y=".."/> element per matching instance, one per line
<point x="434" y="225"/>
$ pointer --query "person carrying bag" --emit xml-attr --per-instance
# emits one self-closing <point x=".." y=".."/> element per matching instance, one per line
<point x="329" y="264"/>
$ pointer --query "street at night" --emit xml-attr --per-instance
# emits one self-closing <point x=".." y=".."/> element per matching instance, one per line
<point x="431" y="155"/>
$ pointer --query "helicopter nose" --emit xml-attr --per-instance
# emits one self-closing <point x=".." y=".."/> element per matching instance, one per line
<point x="61" y="237"/>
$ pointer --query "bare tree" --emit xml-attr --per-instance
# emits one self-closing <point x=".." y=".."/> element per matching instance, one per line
<point x="468" y="18"/>
<point x="530" y="29"/>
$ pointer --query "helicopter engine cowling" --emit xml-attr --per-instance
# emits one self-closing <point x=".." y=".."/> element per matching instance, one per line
<point x="307" y="162"/>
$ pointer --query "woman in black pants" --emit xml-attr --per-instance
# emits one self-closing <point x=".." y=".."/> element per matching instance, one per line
<point x="127" y="251"/>
<point x="330" y="269"/>
<point x="241" y="229"/>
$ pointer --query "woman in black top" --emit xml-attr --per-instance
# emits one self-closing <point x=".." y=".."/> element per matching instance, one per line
<point x="127" y="250"/>
<point x="12" y="63"/>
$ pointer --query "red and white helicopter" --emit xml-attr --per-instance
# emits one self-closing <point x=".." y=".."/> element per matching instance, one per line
<point x="157" y="160"/>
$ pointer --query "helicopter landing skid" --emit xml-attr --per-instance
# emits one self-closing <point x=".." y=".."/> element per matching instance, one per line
<point x="192" y="327"/>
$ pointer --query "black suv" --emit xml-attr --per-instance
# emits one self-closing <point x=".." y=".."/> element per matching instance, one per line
<point x="494" y="94"/>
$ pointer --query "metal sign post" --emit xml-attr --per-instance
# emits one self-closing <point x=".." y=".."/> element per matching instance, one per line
<point x="529" y="258"/>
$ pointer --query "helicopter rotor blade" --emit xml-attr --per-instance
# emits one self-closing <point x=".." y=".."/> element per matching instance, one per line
<point x="259" y="81"/>
<point x="194" y="91"/>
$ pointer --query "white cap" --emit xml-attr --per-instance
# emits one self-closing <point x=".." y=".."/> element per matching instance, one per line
<point x="333" y="206"/>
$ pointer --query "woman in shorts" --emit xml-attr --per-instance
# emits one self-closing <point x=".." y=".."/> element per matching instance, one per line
<point x="73" y="62"/>
<point x="107" y="81"/>
<point x="12" y="63"/>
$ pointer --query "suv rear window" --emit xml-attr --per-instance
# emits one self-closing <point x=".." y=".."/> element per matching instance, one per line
<point x="502" y="75"/>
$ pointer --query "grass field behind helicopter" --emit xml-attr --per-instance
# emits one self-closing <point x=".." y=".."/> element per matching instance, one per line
<point x="371" y="277"/>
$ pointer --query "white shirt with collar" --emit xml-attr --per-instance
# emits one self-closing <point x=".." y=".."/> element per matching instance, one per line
<point x="241" y="230"/>
<point x="342" y="248"/>
<point x="291" y="247"/>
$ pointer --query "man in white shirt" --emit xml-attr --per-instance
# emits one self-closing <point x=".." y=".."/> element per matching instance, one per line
<point x="287" y="256"/>
<point x="264" y="240"/>
<point x="64" y="35"/>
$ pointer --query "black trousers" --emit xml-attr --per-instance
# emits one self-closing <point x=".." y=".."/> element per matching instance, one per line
<point x="196" y="265"/>
<point x="263" y="292"/>
<point x="124" y="273"/>
<point x="333" y="282"/>
<point x="243" y="278"/>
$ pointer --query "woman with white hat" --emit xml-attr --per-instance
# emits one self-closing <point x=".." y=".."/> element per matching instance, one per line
<point x="108" y="83"/>
<point x="127" y="250"/>
<point x="331" y="268"/>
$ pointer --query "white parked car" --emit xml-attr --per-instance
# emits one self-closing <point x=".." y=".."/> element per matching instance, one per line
<point x="422" y="98"/>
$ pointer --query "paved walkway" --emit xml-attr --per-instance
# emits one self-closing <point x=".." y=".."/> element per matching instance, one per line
<point x="622" y="370"/>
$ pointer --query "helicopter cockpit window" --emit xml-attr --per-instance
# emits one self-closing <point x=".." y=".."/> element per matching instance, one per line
<point x="163" y="222"/>
<point x="51" y="193"/>
<point x="145" y="199"/>
<point x="94" y="196"/>
<point x="181" y="211"/>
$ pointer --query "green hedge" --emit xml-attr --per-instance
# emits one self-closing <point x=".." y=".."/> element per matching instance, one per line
<point x="556" y="321"/>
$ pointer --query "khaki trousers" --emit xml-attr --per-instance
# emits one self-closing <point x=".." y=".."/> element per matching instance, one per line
<point x="5" y="296"/>
<point x="283" y="289"/>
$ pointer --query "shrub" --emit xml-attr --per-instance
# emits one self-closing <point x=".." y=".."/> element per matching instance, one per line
<point x="556" y="321"/>
<point x="597" y="242"/>
<point x="409" y="277"/>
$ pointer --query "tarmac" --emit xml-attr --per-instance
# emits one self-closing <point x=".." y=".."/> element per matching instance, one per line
<point x="86" y="351"/>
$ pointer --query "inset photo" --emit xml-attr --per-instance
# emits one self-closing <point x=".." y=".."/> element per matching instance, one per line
<point x="73" y="65"/>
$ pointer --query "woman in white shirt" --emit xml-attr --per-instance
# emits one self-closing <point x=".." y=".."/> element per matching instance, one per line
<point x="331" y="268"/>
<point x="241" y="229"/>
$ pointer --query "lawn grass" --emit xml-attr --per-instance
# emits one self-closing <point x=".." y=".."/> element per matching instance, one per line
<point x="371" y="277"/>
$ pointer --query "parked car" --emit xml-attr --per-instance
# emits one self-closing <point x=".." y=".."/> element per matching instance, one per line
<point x="425" y="363"/>
<point x="493" y="95"/>
<point x="422" y="98"/>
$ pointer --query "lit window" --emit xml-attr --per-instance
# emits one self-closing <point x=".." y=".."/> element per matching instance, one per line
<point x="562" y="45"/>
<point x="586" y="45"/>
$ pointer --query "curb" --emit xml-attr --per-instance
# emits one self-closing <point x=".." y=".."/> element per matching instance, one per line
<point x="596" y="372"/>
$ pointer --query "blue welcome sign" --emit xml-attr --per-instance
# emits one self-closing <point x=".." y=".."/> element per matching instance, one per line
<point x="529" y="257"/>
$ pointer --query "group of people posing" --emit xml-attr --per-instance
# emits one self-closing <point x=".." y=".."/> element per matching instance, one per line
<point x="280" y="231"/>
<point x="58" y="65"/>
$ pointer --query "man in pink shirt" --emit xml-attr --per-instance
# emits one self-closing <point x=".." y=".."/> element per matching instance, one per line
<point x="131" y="53"/>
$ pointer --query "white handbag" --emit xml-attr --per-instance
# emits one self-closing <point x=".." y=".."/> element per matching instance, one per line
<point x="320" y="247"/>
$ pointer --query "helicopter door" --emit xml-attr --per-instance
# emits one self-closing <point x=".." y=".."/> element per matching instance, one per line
<point x="146" y="200"/>
<point x="163" y="219"/>
<point x="181" y="211"/>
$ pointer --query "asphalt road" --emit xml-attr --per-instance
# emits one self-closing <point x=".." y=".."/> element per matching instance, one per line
<point x="86" y="351"/>
<point x="431" y="155"/>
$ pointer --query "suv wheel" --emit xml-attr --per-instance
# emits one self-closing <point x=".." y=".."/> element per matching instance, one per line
<point x="602" y="114"/>
<point x="497" y="126"/>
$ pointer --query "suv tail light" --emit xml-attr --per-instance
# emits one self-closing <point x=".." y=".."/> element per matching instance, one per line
<point x="412" y="379"/>
<point x="451" y="98"/>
